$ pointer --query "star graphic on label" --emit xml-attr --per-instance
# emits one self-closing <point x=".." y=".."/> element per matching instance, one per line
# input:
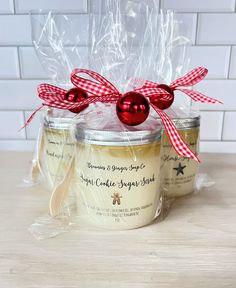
<point x="180" y="169"/>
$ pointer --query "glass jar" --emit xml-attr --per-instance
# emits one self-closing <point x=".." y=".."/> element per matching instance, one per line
<point x="57" y="146"/>
<point x="117" y="177"/>
<point x="178" y="173"/>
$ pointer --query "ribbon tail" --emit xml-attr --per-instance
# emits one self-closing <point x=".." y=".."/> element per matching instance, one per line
<point x="199" y="97"/>
<point x="191" y="78"/>
<point x="176" y="140"/>
<point x="31" y="117"/>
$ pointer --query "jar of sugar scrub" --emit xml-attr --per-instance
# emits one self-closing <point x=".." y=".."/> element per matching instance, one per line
<point x="178" y="173"/>
<point x="57" y="145"/>
<point x="118" y="174"/>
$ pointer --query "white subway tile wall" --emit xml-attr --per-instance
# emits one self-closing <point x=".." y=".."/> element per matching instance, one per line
<point x="24" y="6"/>
<point x="216" y="29"/>
<point x="33" y="129"/>
<point x="6" y="6"/>
<point x="19" y="95"/>
<point x="31" y="68"/>
<point x="232" y="72"/>
<point x="200" y="5"/>
<point x="216" y="59"/>
<point x="188" y="24"/>
<point x="229" y="129"/>
<point x="210" y="25"/>
<point x="223" y="90"/>
<point x="9" y="63"/>
<point x="9" y="125"/>
<point x="211" y="125"/>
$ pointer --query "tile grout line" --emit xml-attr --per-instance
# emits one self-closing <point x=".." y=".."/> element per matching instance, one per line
<point x="196" y="30"/>
<point x="17" y="139"/>
<point x="229" y="66"/>
<point x="88" y="7"/>
<point x="85" y="13"/>
<point x="30" y="79"/>
<point x="160" y="5"/>
<point x="32" y="110"/>
<point x="55" y="12"/>
<point x="14" y="6"/>
<point x="24" y="117"/>
<point x="222" y="127"/>
<point x="31" y="46"/>
<point x="19" y="63"/>
<point x="219" y="141"/>
<point x="48" y="79"/>
<point x="86" y="46"/>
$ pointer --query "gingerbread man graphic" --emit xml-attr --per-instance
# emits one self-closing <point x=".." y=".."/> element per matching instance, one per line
<point x="116" y="198"/>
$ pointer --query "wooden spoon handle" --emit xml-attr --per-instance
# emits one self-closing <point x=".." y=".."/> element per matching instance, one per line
<point x="60" y="192"/>
<point x="36" y="166"/>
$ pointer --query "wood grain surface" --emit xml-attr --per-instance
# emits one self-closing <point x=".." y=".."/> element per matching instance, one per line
<point x="194" y="247"/>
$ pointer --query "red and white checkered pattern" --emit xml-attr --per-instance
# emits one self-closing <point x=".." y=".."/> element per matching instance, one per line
<point x="199" y="97"/>
<point x="101" y="90"/>
<point x="54" y="96"/>
<point x="176" y="140"/>
<point x="191" y="78"/>
<point x="150" y="89"/>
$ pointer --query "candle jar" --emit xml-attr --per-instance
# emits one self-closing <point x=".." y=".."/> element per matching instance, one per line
<point x="117" y="177"/>
<point x="178" y="173"/>
<point x="57" y="147"/>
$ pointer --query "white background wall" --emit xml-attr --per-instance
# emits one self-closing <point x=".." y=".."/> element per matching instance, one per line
<point x="214" y="46"/>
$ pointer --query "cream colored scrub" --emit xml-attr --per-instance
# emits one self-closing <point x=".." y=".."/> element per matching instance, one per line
<point x="117" y="177"/>
<point x="58" y="148"/>
<point x="178" y="173"/>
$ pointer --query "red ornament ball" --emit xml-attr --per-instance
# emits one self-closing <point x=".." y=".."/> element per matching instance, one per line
<point x="132" y="108"/>
<point x="76" y="95"/>
<point x="163" y="101"/>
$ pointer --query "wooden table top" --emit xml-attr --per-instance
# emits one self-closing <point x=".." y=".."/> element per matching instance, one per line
<point x="194" y="247"/>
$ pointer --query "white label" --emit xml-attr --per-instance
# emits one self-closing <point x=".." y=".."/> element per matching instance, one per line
<point x="58" y="151"/>
<point x="118" y="187"/>
<point x="178" y="173"/>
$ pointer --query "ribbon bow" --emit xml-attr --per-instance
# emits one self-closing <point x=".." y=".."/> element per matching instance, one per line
<point x="151" y="89"/>
<point x="101" y="90"/>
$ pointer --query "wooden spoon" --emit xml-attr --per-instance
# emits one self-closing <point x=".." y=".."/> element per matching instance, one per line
<point x="61" y="191"/>
<point x="36" y="165"/>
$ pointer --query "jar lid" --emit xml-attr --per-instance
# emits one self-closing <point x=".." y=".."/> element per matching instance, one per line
<point x="101" y="126"/>
<point x="183" y="118"/>
<point x="184" y="123"/>
<point x="116" y="138"/>
<point x="59" y="119"/>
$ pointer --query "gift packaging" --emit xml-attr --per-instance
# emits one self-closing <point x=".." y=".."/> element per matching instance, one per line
<point x="112" y="146"/>
<point x="117" y="171"/>
<point x="179" y="173"/>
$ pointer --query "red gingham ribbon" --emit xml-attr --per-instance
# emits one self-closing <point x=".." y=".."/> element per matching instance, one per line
<point x="101" y="90"/>
<point x="193" y="77"/>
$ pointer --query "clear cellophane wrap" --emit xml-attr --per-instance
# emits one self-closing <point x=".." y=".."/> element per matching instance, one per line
<point x="127" y="42"/>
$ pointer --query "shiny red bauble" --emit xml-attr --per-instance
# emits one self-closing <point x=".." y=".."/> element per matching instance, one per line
<point x="163" y="101"/>
<point x="132" y="108"/>
<point x="76" y="95"/>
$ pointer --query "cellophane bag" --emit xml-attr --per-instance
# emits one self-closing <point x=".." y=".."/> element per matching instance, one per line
<point x="98" y="169"/>
<point x="59" y="46"/>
